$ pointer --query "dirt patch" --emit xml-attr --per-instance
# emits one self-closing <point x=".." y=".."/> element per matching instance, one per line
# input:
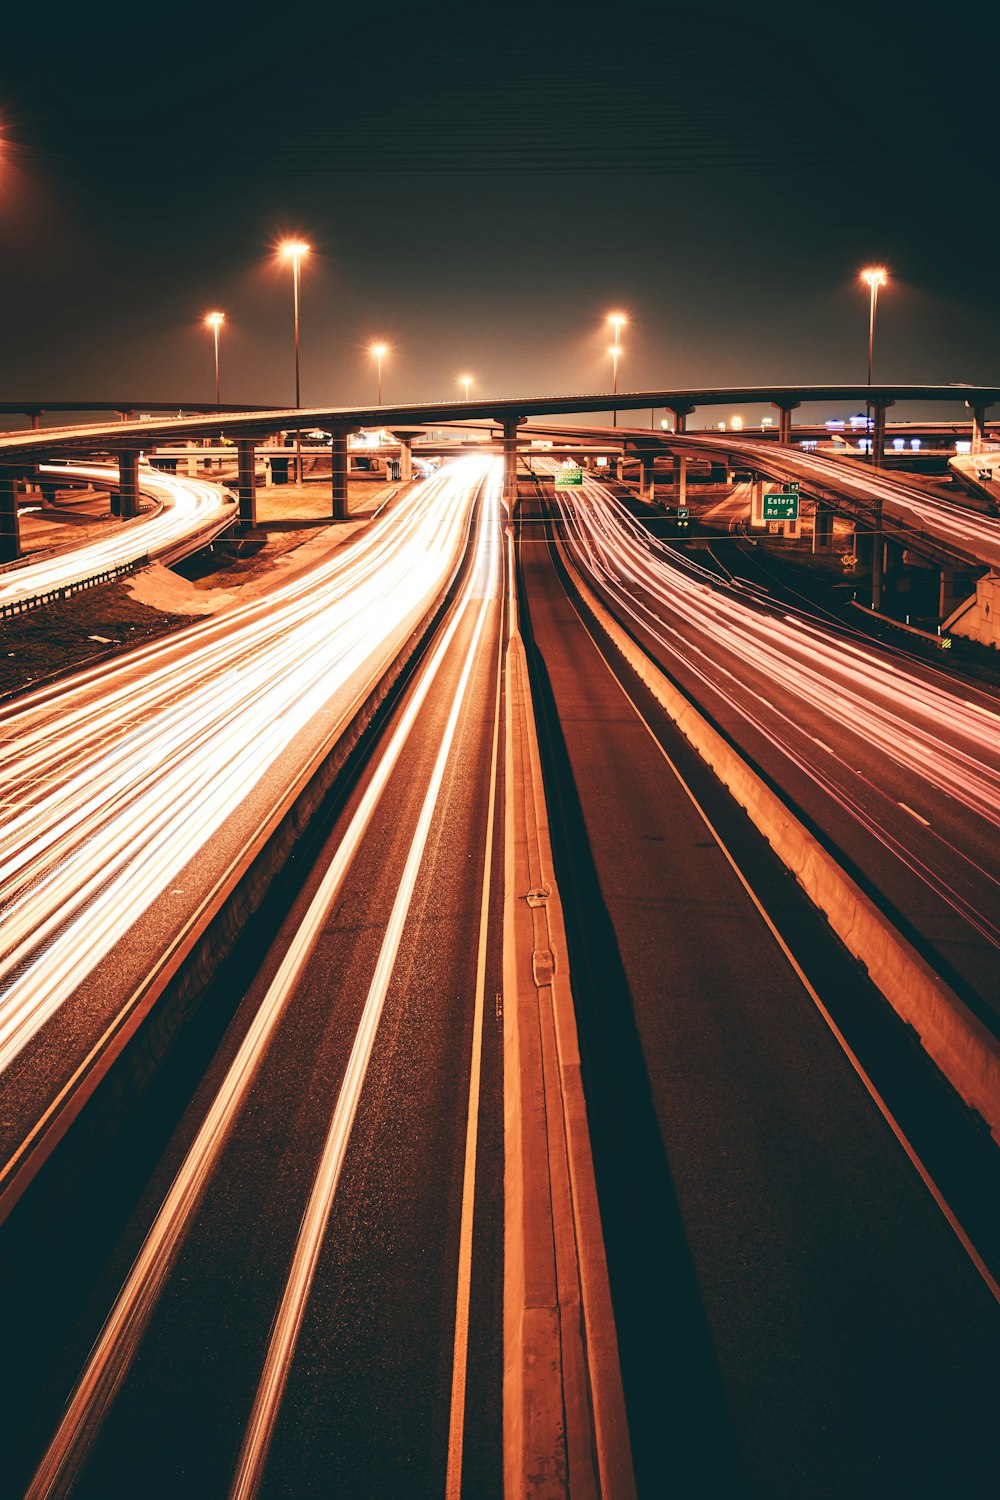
<point x="58" y="640"/>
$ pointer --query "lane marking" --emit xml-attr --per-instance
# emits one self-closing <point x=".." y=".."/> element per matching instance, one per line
<point x="125" y="1325"/>
<point x="456" y="1426"/>
<point x="907" y="808"/>
<point x="288" y="1320"/>
<point x="991" y="1283"/>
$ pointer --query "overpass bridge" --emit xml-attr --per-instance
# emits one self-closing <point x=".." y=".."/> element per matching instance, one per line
<point x="20" y="452"/>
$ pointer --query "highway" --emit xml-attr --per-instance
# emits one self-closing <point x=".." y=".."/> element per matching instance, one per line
<point x="796" y="1314"/>
<point x="188" y="513"/>
<point x="894" y="762"/>
<point x="963" y="533"/>
<point x="134" y="791"/>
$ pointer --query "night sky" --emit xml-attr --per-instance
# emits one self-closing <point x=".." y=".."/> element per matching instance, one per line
<point x="481" y="189"/>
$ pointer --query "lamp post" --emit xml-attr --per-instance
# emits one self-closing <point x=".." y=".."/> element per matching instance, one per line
<point x="874" y="277"/>
<point x="465" y="381"/>
<point x="378" y="350"/>
<point x="294" y="250"/>
<point x="617" y="321"/>
<point x="215" y="320"/>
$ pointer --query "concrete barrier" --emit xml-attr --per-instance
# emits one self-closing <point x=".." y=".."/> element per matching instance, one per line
<point x="564" y="1421"/>
<point x="965" y="1051"/>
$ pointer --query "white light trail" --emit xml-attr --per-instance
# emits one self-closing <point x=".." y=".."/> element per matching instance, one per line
<point x="118" y="777"/>
<point x="781" y="672"/>
<point x="188" y="507"/>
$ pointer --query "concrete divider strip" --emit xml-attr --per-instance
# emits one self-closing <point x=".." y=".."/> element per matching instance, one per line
<point x="564" y="1419"/>
<point x="957" y="1041"/>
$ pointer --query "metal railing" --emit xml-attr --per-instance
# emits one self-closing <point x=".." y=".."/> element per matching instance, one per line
<point x="65" y="590"/>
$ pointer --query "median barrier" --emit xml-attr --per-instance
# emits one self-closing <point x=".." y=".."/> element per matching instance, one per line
<point x="965" y="1051"/>
<point x="564" y="1420"/>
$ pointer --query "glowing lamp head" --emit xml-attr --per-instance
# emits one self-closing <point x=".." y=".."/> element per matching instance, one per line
<point x="619" y="320"/>
<point x="875" y="276"/>
<point x="614" y="350"/>
<point x="379" y="349"/>
<point x="293" y="249"/>
<point x="465" y="380"/>
<point x="214" y="320"/>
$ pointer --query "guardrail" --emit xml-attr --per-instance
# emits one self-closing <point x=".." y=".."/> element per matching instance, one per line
<point x="64" y="590"/>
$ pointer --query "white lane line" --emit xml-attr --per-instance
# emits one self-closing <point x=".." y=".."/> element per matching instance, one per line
<point x="913" y="814"/>
<point x="822" y="744"/>
<point x="991" y="1283"/>
<point x="289" y="1317"/>
<point x="120" y="1337"/>
<point x="456" y="1426"/>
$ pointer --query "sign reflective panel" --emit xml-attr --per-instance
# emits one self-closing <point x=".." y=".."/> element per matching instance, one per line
<point x="568" y="475"/>
<point x="781" y="505"/>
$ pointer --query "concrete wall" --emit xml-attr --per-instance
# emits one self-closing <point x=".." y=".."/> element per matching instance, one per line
<point x="978" y="619"/>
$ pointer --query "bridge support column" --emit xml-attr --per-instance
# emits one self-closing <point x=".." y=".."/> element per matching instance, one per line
<point x="784" y="410"/>
<point x="681" y="479"/>
<point x="878" y="431"/>
<point x="510" y="426"/>
<point x="406" y="459"/>
<point x="680" y="415"/>
<point x="246" y="483"/>
<point x="822" y="526"/>
<point x="951" y="591"/>
<point x="647" y="476"/>
<point x="128" y="483"/>
<point x="978" y="428"/>
<point x="338" y="473"/>
<point x="10" y="533"/>
<point x="620" y="468"/>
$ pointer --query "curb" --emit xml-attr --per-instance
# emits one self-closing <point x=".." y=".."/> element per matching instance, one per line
<point x="564" y="1420"/>
<point x="955" y="1039"/>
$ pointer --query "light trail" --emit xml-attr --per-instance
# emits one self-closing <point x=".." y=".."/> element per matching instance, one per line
<point x="188" y="508"/>
<point x="118" y="777"/>
<point x="781" y="673"/>
<point x="116" y="1345"/>
<point x="955" y="527"/>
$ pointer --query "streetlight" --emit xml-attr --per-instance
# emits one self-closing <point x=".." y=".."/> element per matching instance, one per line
<point x="215" y="320"/>
<point x="294" y="250"/>
<point x="466" y="381"/>
<point x="378" y="350"/>
<point x="875" y="276"/>
<point x="617" y="321"/>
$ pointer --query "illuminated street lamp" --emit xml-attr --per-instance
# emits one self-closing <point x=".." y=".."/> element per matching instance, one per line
<point x="378" y="350"/>
<point x="215" y="320"/>
<point x="465" y="381"/>
<point x="617" y="321"/>
<point x="875" y="276"/>
<point x="294" y="250"/>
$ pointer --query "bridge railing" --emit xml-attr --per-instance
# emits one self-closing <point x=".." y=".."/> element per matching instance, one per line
<point x="24" y="605"/>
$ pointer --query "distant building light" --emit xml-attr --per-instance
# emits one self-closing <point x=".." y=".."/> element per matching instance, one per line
<point x="736" y="423"/>
<point x="963" y="446"/>
<point x="601" y="463"/>
<point x="899" y="444"/>
<point x="721" y="426"/>
<point x="809" y="443"/>
<point x="835" y="424"/>
<point x="859" y="421"/>
<point x="767" y="421"/>
<point x="664" y="424"/>
<point x="915" y="444"/>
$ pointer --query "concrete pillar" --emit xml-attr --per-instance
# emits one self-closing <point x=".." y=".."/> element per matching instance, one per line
<point x="878" y="432"/>
<point x="510" y="427"/>
<point x="681" y="415"/>
<point x="36" y="419"/>
<point x="10" y="534"/>
<point x="620" y="468"/>
<point x="822" y="525"/>
<point x="647" y="476"/>
<point x="246" y="484"/>
<point x="784" y="410"/>
<point x="192" y="464"/>
<point x="405" y="459"/>
<point x="681" y="470"/>
<point x="338" y="473"/>
<point x="978" y="428"/>
<point x="128" y="483"/>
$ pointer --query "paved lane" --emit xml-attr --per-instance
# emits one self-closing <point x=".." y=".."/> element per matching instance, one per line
<point x="796" y="1317"/>
<point x="362" y="1390"/>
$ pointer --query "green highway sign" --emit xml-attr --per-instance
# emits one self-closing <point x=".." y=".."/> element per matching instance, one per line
<point x="782" y="505"/>
<point x="568" y="475"/>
